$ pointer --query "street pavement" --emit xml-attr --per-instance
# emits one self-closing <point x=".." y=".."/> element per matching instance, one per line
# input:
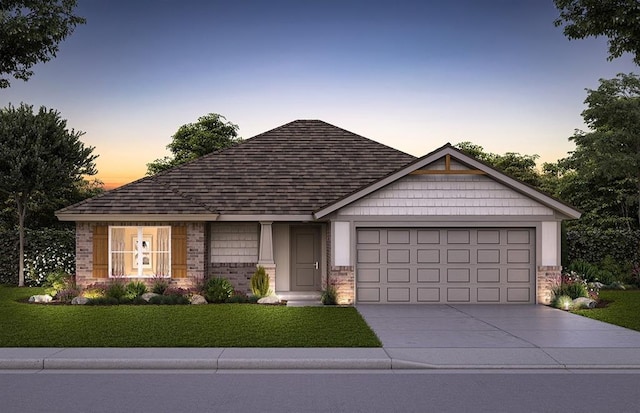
<point x="478" y="337"/>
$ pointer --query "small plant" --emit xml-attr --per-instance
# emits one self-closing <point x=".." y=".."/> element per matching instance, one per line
<point x="159" y="285"/>
<point x="330" y="294"/>
<point x="260" y="283"/>
<point x="239" y="297"/>
<point x="67" y="294"/>
<point x="585" y="270"/>
<point x="563" y="302"/>
<point x="103" y="301"/>
<point x="176" y="291"/>
<point x="169" y="300"/>
<point x="217" y="290"/>
<point x="135" y="289"/>
<point x="57" y="281"/>
<point x="115" y="290"/>
<point x="94" y="291"/>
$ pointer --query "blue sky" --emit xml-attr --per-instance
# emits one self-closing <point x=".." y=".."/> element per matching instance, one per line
<point x="411" y="74"/>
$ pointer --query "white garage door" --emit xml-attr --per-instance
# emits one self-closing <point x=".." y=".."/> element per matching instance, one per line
<point x="448" y="265"/>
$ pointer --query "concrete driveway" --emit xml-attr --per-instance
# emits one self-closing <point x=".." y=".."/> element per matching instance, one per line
<point x="499" y="336"/>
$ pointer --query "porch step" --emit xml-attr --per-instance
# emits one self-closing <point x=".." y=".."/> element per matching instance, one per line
<point x="301" y="298"/>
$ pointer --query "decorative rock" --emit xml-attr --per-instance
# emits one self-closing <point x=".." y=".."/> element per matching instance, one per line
<point x="46" y="298"/>
<point x="197" y="299"/>
<point x="147" y="296"/>
<point x="584" y="302"/>
<point x="79" y="300"/>
<point x="270" y="299"/>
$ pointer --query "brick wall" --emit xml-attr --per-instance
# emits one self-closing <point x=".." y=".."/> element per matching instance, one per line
<point x="547" y="277"/>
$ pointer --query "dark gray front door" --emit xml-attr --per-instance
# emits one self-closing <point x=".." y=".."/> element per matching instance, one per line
<point x="305" y="258"/>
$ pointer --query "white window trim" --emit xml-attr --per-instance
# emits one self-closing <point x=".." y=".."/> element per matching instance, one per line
<point x="139" y="236"/>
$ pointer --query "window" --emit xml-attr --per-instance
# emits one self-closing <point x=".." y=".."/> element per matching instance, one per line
<point x="140" y="251"/>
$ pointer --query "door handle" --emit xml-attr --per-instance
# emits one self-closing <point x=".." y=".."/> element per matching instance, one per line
<point x="316" y="265"/>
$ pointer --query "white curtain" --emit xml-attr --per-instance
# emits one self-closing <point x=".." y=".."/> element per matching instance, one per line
<point x="162" y="254"/>
<point x="117" y="251"/>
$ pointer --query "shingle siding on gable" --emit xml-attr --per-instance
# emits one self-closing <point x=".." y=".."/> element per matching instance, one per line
<point x="446" y="195"/>
<point x="234" y="242"/>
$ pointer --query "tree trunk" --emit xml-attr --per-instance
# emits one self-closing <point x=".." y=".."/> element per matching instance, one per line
<point x="21" y="207"/>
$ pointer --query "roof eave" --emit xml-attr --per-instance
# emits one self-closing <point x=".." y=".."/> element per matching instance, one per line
<point x="135" y="217"/>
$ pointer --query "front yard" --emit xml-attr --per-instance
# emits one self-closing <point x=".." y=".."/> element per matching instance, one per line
<point x="623" y="309"/>
<point x="212" y="325"/>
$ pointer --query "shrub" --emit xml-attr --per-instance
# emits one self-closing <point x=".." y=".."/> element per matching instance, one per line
<point x="103" y="301"/>
<point x="217" y="290"/>
<point x="115" y="290"/>
<point x="169" y="300"/>
<point x="563" y="302"/>
<point x="176" y="291"/>
<point x="260" y="283"/>
<point x="587" y="271"/>
<point x="57" y="281"/>
<point x="239" y="297"/>
<point x="135" y="289"/>
<point x="159" y="285"/>
<point x="94" y="291"/>
<point x="67" y="295"/>
<point x="330" y="295"/>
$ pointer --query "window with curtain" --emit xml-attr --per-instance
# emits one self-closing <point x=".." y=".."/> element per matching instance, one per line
<point x="139" y="251"/>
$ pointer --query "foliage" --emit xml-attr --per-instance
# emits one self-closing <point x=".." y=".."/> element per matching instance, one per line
<point x="67" y="294"/>
<point x="211" y="133"/>
<point x="135" y="289"/>
<point x="330" y="294"/>
<point x="103" y="301"/>
<point x="217" y="290"/>
<point x="563" y="302"/>
<point x="30" y="31"/>
<point x="260" y="283"/>
<point x="96" y="290"/>
<point x="57" y="281"/>
<point x="521" y="167"/>
<point x="239" y="297"/>
<point x="176" y="291"/>
<point x="593" y="244"/>
<point x="172" y="299"/>
<point x="116" y="290"/>
<point x="159" y="285"/>
<point x="615" y="19"/>
<point x="38" y="155"/>
<point x="224" y="325"/>
<point x="585" y="270"/>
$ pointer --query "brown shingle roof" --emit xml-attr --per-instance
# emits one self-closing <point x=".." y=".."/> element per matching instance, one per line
<point x="293" y="169"/>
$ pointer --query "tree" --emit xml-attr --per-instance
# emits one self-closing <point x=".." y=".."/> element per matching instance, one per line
<point x="607" y="158"/>
<point x="30" y="31"/>
<point x="521" y="167"/>
<point x="618" y="20"/>
<point x="38" y="155"/>
<point x="212" y="132"/>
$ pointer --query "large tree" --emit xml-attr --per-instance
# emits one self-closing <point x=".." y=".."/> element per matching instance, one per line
<point x="30" y="31"/>
<point x="38" y="155"/>
<point x="618" y="20"/>
<point x="606" y="160"/>
<point x="210" y="133"/>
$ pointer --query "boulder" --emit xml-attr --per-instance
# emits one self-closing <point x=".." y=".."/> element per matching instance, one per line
<point x="79" y="300"/>
<point x="270" y="299"/>
<point x="197" y="299"/>
<point x="147" y="296"/>
<point x="45" y="298"/>
<point x="584" y="302"/>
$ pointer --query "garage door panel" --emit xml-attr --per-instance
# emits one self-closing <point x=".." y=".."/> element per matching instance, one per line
<point x="398" y="275"/>
<point x="428" y="275"/>
<point x="445" y="265"/>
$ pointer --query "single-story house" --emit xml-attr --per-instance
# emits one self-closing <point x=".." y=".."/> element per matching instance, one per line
<point x="316" y="204"/>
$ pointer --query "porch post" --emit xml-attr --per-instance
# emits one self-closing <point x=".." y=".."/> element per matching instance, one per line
<point x="265" y="255"/>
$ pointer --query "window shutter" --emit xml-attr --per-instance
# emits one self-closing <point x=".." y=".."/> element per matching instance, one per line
<point x="101" y="251"/>
<point x="179" y="252"/>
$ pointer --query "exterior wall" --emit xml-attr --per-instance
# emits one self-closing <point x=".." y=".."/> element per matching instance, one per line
<point x="547" y="278"/>
<point x="446" y="195"/>
<point x="195" y="253"/>
<point x="239" y="274"/>
<point x="234" y="242"/>
<point x="341" y="277"/>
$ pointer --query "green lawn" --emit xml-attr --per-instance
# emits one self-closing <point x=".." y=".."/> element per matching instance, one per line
<point x="223" y="325"/>
<point x="624" y="309"/>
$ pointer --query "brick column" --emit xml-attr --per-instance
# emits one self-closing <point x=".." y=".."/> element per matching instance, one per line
<point x="547" y="277"/>
<point x="343" y="278"/>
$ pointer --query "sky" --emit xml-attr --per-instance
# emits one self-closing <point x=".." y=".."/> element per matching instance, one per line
<point x="413" y="75"/>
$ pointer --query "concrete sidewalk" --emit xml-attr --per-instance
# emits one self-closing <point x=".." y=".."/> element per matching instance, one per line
<point x="413" y="337"/>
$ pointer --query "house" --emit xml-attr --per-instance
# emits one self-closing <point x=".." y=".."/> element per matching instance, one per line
<point x="314" y="203"/>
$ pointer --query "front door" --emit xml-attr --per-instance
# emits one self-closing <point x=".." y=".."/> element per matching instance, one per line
<point x="305" y="258"/>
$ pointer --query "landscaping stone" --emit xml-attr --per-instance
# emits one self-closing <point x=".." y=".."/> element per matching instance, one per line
<point x="79" y="300"/>
<point x="271" y="299"/>
<point x="584" y="302"/>
<point x="45" y="298"/>
<point x="197" y="299"/>
<point x="147" y="296"/>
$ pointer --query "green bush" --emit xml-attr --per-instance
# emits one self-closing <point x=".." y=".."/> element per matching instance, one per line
<point x="172" y="299"/>
<point x="260" y="283"/>
<point x="159" y="285"/>
<point x="217" y="290"/>
<point x="588" y="243"/>
<point x="103" y="301"/>
<point x="135" y="289"/>
<point x="563" y="302"/>
<point x="329" y="295"/>
<point x="116" y="290"/>
<point x="57" y="281"/>
<point x="573" y="290"/>
<point x="587" y="271"/>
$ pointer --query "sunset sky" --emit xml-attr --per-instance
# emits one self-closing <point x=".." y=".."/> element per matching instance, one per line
<point x="410" y="74"/>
